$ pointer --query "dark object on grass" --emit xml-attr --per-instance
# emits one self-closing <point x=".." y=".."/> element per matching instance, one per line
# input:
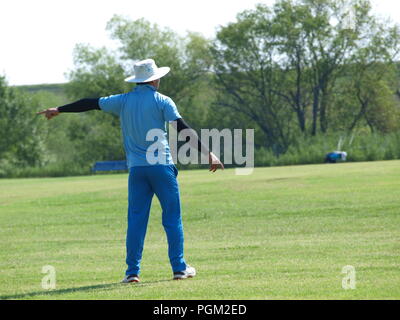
<point x="335" y="156"/>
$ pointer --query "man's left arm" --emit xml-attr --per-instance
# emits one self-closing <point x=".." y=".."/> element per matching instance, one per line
<point x="171" y="114"/>
<point x="195" y="141"/>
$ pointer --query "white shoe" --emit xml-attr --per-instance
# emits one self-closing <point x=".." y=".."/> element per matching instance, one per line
<point x="131" y="278"/>
<point x="190" y="272"/>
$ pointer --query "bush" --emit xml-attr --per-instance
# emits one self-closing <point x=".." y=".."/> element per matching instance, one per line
<point x="305" y="150"/>
<point x="51" y="170"/>
<point x="312" y="150"/>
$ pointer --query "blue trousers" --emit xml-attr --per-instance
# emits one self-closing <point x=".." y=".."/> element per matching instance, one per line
<point x="144" y="182"/>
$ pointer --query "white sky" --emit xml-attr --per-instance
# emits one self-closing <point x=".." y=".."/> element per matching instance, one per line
<point x="38" y="36"/>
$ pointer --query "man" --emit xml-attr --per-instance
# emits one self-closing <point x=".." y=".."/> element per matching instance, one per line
<point x="141" y="110"/>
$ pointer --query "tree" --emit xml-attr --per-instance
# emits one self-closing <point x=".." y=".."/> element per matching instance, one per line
<point x="21" y="142"/>
<point x="101" y="72"/>
<point x="319" y="39"/>
<point x="188" y="57"/>
<point x="373" y="78"/>
<point x="97" y="73"/>
<point x="290" y="37"/>
<point x="365" y="94"/>
<point x="289" y="61"/>
<point x="248" y="77"/>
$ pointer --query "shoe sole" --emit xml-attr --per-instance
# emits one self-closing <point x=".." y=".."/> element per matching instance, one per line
<point x="183" y="277"/>
<point x="134" y="281"/>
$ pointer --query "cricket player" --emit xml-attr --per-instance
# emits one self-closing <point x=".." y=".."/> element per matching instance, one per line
<point x="141" y="110"/>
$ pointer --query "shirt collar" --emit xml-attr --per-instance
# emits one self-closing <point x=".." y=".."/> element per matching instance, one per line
<point x="145" y="87"/>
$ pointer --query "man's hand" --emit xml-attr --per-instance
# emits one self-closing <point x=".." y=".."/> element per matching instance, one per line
<point x="214" y="162"/>
<point x="50" y="113"/>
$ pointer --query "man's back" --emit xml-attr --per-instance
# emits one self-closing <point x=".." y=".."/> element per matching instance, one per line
<point x="140" y="111"/>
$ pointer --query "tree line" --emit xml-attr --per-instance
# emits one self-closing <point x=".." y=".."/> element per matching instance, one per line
<point x="298" y="72"/>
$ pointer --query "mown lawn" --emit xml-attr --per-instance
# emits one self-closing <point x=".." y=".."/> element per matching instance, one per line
<point x="280" y="233"/>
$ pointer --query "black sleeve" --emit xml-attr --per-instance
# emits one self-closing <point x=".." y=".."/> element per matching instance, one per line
<point x="181" y="125"/>
<point x="81" y="106"/>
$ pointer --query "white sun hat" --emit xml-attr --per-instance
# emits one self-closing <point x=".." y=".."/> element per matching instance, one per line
<point x="146" y="71"/>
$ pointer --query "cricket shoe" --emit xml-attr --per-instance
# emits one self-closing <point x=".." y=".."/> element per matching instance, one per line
<point x="190" y="272"/>
<point x="131" y="278"/>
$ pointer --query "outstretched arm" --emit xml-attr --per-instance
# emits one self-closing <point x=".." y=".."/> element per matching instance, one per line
<point x="77" y="106"/>
<point x="195" y="141"/>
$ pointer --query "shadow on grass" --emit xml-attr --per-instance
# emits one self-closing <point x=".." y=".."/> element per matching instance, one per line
<point x="45" y="293"/>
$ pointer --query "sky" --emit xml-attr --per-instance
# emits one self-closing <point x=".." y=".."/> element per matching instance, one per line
<point x="38" y="37"/>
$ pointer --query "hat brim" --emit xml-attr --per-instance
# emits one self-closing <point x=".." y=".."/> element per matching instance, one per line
<point x="161" y="72"/>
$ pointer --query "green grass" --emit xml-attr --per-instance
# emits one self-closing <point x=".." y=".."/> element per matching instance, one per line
<point x="280" y="233"/>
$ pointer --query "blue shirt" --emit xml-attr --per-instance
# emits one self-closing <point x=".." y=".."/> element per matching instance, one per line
<point x="140" y="111"/>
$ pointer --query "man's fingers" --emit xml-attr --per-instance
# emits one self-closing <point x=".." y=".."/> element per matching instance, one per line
<point x="215" y="163"/>
<point x="49" y="114"/>
<point x="214" y="167"/>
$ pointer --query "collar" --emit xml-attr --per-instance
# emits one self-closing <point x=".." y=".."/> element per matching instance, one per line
<point x="145" y="87"/>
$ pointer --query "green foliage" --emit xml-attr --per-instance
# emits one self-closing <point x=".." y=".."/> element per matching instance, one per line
<point x="298" y="72"/>
<point x="364" y="98"/>
<point x="21" y="132"/>
<point x="53" y="169"/>
<point x="285" y="65"/>
<point x="247" y="78"/>
<point x="360" y="146"/>
<point x="189" y="59"/>
<point x="97" y="74"/>
<point x="96" y="136"/>
<point x="55" y="92"/>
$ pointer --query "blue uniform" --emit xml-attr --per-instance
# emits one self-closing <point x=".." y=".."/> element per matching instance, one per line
<point x="140" y="111"/>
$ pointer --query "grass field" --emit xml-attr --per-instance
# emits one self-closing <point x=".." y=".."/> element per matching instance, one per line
<point x="280" y="233"/>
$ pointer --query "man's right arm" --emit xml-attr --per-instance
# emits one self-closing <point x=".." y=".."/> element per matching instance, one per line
<point x="81" y="106"/>
<point x="77" y="106"/>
